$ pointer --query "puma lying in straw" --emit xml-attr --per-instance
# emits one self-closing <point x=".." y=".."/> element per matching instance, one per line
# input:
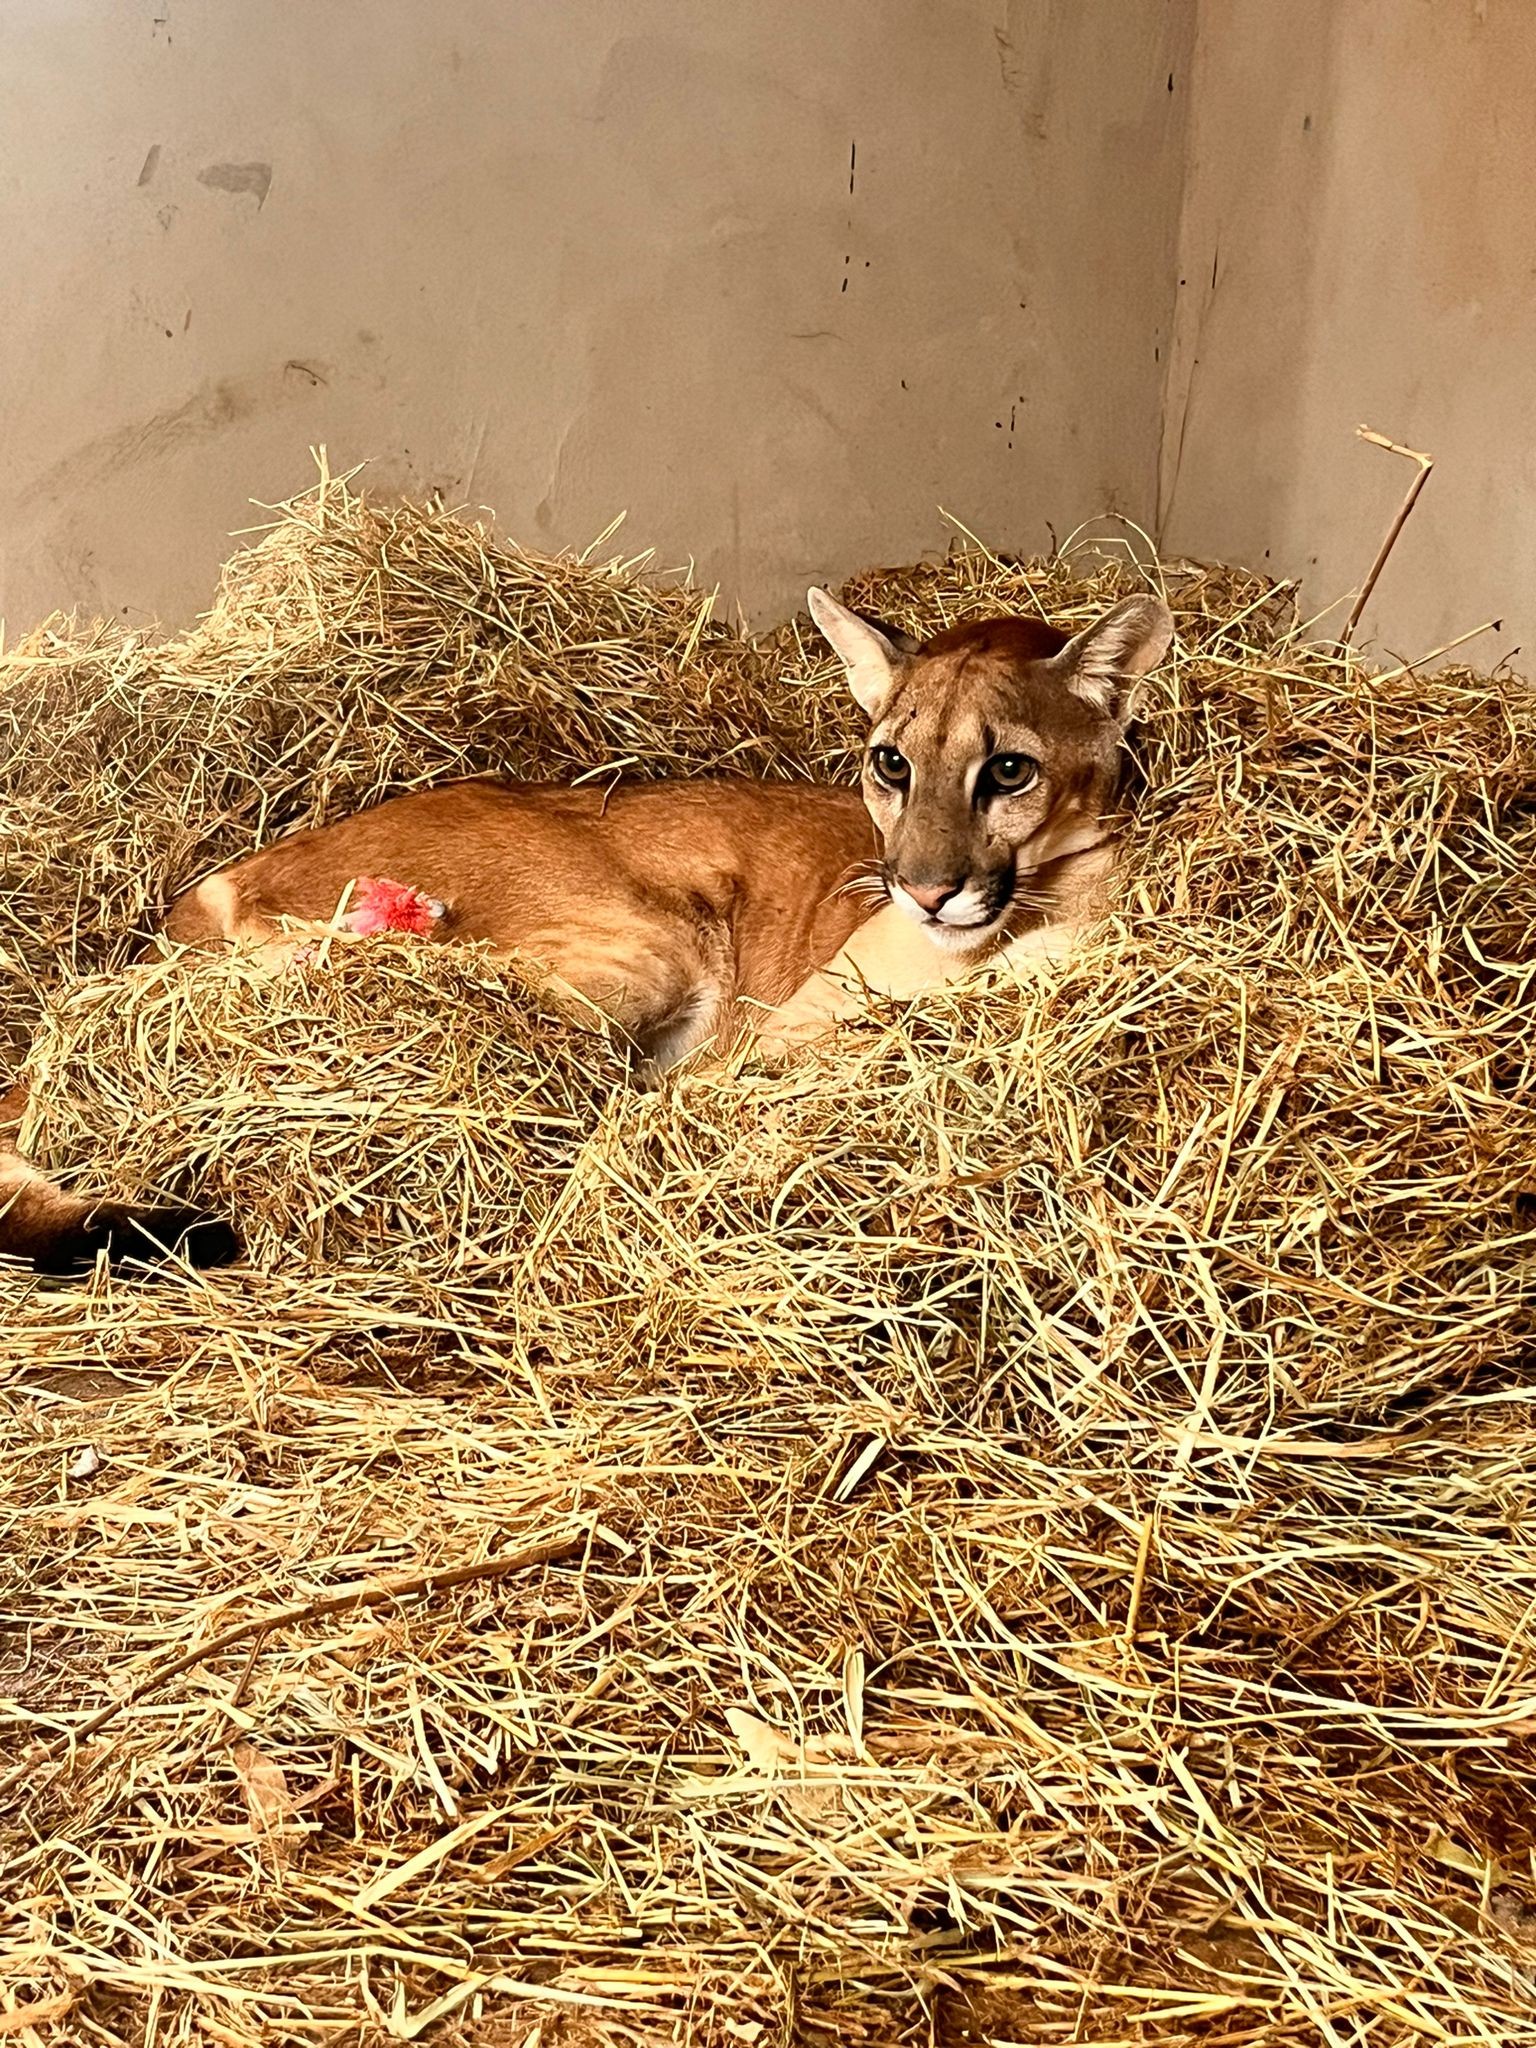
<point x="697" y="913"/>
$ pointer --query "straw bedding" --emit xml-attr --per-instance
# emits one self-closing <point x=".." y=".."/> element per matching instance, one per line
<point x="1018" y="1528"/>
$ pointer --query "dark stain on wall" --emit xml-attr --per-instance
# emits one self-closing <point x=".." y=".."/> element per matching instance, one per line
<point x="253" y="178"/>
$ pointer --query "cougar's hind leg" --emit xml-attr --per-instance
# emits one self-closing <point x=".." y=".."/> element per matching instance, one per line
<point x="64" y="1233"/>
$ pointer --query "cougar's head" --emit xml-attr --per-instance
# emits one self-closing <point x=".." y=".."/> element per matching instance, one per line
<point x="993" y="750"/>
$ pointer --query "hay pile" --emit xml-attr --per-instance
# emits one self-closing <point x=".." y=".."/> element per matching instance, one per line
<point x="1019" y="1529"/>
<point x="353" y="652"/>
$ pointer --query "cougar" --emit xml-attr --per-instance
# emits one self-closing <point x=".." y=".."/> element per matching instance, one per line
<point x="717" y="912"/>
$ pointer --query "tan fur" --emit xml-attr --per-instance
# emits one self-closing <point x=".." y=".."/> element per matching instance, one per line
<point x="696" y="913"/>
<point x="666" y="904"/>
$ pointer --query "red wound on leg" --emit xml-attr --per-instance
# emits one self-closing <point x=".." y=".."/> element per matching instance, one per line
<point x="381" y="906"/>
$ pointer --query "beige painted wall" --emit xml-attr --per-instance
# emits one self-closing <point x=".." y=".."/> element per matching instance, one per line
<point x="1359" y="245"/>
<point x="779" y="280"/>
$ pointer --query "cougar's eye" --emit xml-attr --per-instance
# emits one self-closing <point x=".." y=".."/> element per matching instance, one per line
<point x="891" y="766"/>
<point x="1009" y="773"/>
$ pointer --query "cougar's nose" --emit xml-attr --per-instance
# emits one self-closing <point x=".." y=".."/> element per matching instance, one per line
<point x="932" y="899"/>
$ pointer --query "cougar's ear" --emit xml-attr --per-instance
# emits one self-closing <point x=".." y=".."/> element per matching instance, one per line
<point x="871" y="654"/>
<point x="1106" y="661"/>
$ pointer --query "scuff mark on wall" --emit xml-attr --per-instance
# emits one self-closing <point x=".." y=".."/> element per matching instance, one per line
<point x="853" y="157"/>
<point x="1007" y="59"/>
<point x="222" y="402"/>
<point x="253" y="178"/>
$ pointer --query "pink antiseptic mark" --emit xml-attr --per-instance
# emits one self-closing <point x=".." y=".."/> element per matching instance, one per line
<point x="381" y="906"/>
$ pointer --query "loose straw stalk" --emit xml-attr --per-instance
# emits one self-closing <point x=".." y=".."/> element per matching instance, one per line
<point x="1410" y="499"/>
<point x="392" y="1593"/>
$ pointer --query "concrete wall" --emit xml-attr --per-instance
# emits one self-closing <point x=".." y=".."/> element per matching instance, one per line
<point x="779" y="280"/>
<point x="1359" y="245"/>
